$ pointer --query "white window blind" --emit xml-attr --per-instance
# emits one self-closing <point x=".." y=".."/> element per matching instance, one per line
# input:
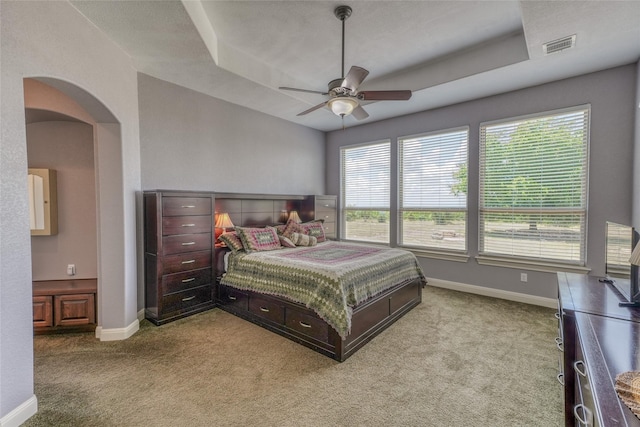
<point x="533" y="186"/>
<point x="365" y="192"/>
<point x="433" y="190"/>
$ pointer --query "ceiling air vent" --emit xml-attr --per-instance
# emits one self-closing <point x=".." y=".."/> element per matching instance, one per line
<point x="560" y="44"/>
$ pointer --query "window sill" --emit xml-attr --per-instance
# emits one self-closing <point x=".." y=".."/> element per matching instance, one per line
<point x="549" y="267"/>
<point x="447" y="256"/>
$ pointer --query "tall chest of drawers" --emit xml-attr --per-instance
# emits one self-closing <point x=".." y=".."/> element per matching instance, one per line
<point x="178" y="244"/>
<point x="324" y="208"/>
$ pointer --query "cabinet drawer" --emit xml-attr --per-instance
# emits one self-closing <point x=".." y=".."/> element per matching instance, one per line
<point x="326" y="203"/>
<point x="307" y="324"/>
<point x="234" y="297"/>
<point x="266" y="309"/>
<point x="71" y="310"/>
<point x="183" y="301"/>
<point x="186" y="243"/>
<point x="329" y="229"/>
<point x="186" y="280"/>
<point x="184" y="262"/>
<point x="176" y="206"/>
<point x="42" y="311"/>
<point x="327" y="216"/>
<point x="186" y="224"/>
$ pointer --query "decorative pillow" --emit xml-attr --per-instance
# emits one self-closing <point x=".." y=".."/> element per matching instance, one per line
<point x="291" y="227"/>
<point x="286" y="242"/>
<point x="279" y="228"/>
<point x="315" y="229"/>
<point x="259" y="239"/>
<point x="232" y="241"/>
<point x="301" y="239"/>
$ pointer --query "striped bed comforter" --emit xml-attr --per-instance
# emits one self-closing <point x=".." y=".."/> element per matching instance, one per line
<point x="329" y="278"/>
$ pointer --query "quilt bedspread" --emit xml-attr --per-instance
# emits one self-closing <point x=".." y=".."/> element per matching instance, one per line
<point x="329" y="278"/>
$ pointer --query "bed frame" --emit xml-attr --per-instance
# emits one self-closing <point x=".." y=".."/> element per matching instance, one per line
<point x="293" y="320"/>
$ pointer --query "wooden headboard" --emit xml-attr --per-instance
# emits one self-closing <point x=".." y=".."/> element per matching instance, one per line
<point x="255" y="210"/>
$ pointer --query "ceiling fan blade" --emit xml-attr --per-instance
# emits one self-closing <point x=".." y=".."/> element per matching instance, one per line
<point x="314" y="108"/>
<point x="384" y="95"/>
<point x="359" y="113"/>
<point x="354" y="78"/>
<point x="303" y="90"/>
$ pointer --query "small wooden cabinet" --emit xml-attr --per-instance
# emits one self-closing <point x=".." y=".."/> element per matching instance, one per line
<point x="179" y="239"/>
<point x="64" y="305"/>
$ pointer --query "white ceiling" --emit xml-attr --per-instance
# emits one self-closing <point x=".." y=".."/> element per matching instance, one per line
<point x="444" y="51"/>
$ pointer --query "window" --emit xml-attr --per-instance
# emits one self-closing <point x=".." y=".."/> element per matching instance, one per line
<point x="365" y="192"/>
<point x="533" y="187"/>
<point x="433" y="190"/>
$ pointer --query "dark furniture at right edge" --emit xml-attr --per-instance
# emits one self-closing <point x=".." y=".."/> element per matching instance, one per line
<point x="598" y="340"/>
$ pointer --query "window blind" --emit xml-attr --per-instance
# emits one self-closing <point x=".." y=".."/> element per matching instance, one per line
<point x="433" y="189"/>
<point x="365" y="185"/>
<point x="533" y="186"/>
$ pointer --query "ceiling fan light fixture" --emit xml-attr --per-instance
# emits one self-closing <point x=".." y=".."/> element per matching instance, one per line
<point x="342" y="106"/>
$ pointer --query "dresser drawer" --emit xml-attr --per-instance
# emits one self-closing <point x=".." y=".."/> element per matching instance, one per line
<point x="186" y="243"/>
<point x="326" y="203"/>
<point x="329" y="229"/>
<point x="176" y="206"/>
<point x="266" y="309"/>
<point x="185" y="300"/>
<point x="184" y="262"/>
<point x="326" y="215"/>
<point x="234" y="297"/>
<point x="186" y="224"/>
<point x="189" y="279"/>
<point x="307" y="324"/>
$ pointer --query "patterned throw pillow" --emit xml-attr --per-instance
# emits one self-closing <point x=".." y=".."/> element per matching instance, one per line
<point x="291" y="227"/>
<point x="301" y="239"/>
<point x="259" y="239"/>
<point x="315" y="229"/>
<point x="232" y="241"/>
<point x="286" y="242"/>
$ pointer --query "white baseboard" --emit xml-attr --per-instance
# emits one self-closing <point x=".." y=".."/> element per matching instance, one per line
<point x="141" y="315"/>
<point x="117" y="334"/>
<point x="21" y="414"/>
<point x="495" y="293"/>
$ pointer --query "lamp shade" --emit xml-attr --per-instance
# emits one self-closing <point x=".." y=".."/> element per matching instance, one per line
<point x="342" y="106"/>
<point x="223" y="221"/>
<point x="635" y="255"/>
<point x="293" y="216"/>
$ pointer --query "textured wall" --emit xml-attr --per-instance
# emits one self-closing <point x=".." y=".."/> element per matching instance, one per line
<point x="66" y="147"/>
<point x="611" y="94"/>
<point x="191" y="141"/>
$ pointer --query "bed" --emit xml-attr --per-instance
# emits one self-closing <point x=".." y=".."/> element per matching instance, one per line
<point x="332" y="297"/>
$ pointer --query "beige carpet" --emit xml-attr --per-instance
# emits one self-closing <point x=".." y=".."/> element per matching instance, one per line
<point x="456" y="360"/>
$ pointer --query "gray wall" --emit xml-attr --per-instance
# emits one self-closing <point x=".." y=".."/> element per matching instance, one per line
<point x="52" y="40"/>
<point x="66" y="147"/>
<point x="612" y="95"/>
<point x="191" y="141"/>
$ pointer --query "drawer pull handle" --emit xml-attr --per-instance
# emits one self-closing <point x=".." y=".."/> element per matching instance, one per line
<point x="188" y="243"/>
<point x="557" y="315"/>
<point x="588" y="415"/>
<point x="560" y="378"/>
<point x="232" y="298"/>
<point x="304" y="325"/>
<point x="559" y="343"/>
<point x="580" y="368"/>
<point x="188" y="280"/>
<point x="188" y="225"/>
<point x="188" y="206"/>
<point x="188" y="298"/>
<point x="265" y="309"/>
<point x="191" y="261"/>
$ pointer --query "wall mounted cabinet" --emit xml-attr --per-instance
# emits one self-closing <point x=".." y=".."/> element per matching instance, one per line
<point x="43" y="202"/>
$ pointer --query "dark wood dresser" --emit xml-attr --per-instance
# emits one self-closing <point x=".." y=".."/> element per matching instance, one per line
<point x="64" y="305"/>
<point x="179" y="239"/>
<point x="597" y="340"/>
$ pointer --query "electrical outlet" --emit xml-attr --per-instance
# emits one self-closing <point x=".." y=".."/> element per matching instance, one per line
<point x="523" y="277"/>
<point x="71" y="270"/>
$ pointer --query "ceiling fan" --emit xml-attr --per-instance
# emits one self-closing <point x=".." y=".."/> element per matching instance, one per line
<point x="344" y="97"/>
